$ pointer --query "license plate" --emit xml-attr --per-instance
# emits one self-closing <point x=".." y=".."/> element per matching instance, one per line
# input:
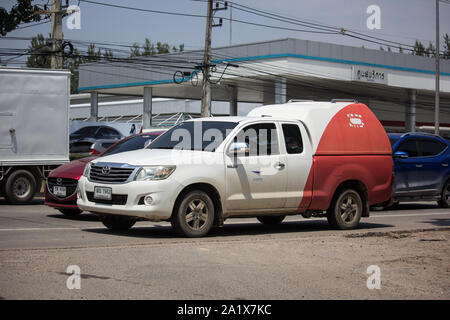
<point x="103" y="193"/>
<point x="59" y="191"/>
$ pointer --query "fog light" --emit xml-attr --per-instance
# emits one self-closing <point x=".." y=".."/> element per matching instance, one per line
<point x="148" y="200"/>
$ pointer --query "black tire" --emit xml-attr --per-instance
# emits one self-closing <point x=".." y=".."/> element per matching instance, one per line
<point x="118" y="223"/>
<point x="444" y="202"/>
<point x="345" y="210"/>
<point x="193" y="215"/>
<point x="271" y="220"/>
<point x="20" y="187"/>
<point x="70" y="212"/>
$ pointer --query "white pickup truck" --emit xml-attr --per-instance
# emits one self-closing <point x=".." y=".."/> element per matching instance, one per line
<point x="309" y="158"/>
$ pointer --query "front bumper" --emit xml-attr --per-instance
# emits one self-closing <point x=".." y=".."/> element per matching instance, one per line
<point x="66" y="203"/>
<point x="129" y="195"/>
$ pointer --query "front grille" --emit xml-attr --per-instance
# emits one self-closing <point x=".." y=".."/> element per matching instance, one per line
<point x="70" y="184"/>
<point x="115" y="175"/>
<point x="118" y="199"/>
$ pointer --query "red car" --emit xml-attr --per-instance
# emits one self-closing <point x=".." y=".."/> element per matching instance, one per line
<point x="61" y="190"/>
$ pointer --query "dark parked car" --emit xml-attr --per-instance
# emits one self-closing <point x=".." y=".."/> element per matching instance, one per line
<point x="60" y="192"/>
<point x="82" y="139"/>
<point x="101" y="145"/>
<point x="421" y="164"/>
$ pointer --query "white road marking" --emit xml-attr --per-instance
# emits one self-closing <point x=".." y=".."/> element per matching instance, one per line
<point x="39" y="229"/>
<point x="410" y="215"/>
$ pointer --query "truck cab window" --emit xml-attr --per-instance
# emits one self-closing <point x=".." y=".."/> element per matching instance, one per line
<point x="292" y="138"/>
<point x="262" y="139"/>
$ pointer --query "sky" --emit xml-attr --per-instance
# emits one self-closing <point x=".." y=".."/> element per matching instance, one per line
<point x="401" y="20"/>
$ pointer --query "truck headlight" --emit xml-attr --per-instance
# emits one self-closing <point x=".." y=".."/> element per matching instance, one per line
<point x="87" y="170"/>
<point x="154" y="173"/>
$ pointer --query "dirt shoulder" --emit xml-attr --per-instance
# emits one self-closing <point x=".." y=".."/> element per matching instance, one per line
<point x="413" y="265"/>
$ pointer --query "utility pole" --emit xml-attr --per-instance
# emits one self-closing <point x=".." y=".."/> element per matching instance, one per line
<point x="231" y="21"/>
<point x="56" y="14"/>
<point x="206" y="92"/>
<point x="436" y="106"/>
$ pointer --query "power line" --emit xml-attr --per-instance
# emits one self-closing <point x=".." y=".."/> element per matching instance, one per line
<point x="202" y="16"/>
<point x="337" y="30"/>
<point x="32" y="25"/>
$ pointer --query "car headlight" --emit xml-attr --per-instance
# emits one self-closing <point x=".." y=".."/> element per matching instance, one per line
<point x="154" y="173"/>
<point x="87" y="170"/>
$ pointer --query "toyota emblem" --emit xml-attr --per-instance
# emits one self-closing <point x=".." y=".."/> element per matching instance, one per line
<point x="106" y="170"/>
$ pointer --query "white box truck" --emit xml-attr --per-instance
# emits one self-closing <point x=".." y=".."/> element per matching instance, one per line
<point x="34" y="129"/>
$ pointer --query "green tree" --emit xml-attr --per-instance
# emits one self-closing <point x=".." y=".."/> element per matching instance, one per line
<point x="430" y="51"/>
<point x="22" y="12"/>
<point x="40" y="50"/>
<point x="418" y="49"/>
<point x="446" y="54"/>
<point x="148" y="49"/>
<point x="135" y="50"/>
<point x="162" y="47"/>
<point x="108" y="54"/>
<point x="92" y="54"/>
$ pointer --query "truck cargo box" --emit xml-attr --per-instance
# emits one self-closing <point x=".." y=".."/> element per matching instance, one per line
<point x="34" y="117"/>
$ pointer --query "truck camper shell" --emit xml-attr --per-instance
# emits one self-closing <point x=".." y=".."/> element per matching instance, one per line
<point x="335" y="128"/>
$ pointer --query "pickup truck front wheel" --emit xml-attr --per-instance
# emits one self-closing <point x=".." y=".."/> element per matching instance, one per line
<point x="345" y="210"/>
<point x="194" y="214"/>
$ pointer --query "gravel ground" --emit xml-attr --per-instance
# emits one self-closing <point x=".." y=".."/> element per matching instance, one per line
<point x="413" y="265"/>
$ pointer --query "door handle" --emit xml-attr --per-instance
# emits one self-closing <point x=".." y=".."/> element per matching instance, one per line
<point x="445" y="164"/>
<point x="279" y="165"/>
<point x="419" y="165"/>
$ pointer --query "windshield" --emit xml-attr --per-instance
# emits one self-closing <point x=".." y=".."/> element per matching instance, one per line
<point x="86" y="131"/>
<point x="130" y="144"/>
<point x="195" y="135"/>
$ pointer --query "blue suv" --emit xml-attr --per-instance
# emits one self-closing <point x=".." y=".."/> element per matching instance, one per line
<point x="421" y="165"/>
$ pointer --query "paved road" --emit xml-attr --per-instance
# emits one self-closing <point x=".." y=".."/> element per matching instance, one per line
<point x="301" y="258"/>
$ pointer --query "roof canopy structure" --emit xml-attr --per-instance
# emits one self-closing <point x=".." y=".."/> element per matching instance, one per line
<point x="280" y="70"/>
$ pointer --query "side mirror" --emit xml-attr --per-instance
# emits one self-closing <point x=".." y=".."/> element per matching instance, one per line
<point x="238" y="149"/>
<point x="401" y="154"/>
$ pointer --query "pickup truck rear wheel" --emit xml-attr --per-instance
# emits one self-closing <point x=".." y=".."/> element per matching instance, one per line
<point x="20" y="187"/>
<point x="345" y="210"/>
<point x="445" y="195"/>
<point x="194" y="214"/>
<point x="271" y="219"/>
<point x="118" y="223"/>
